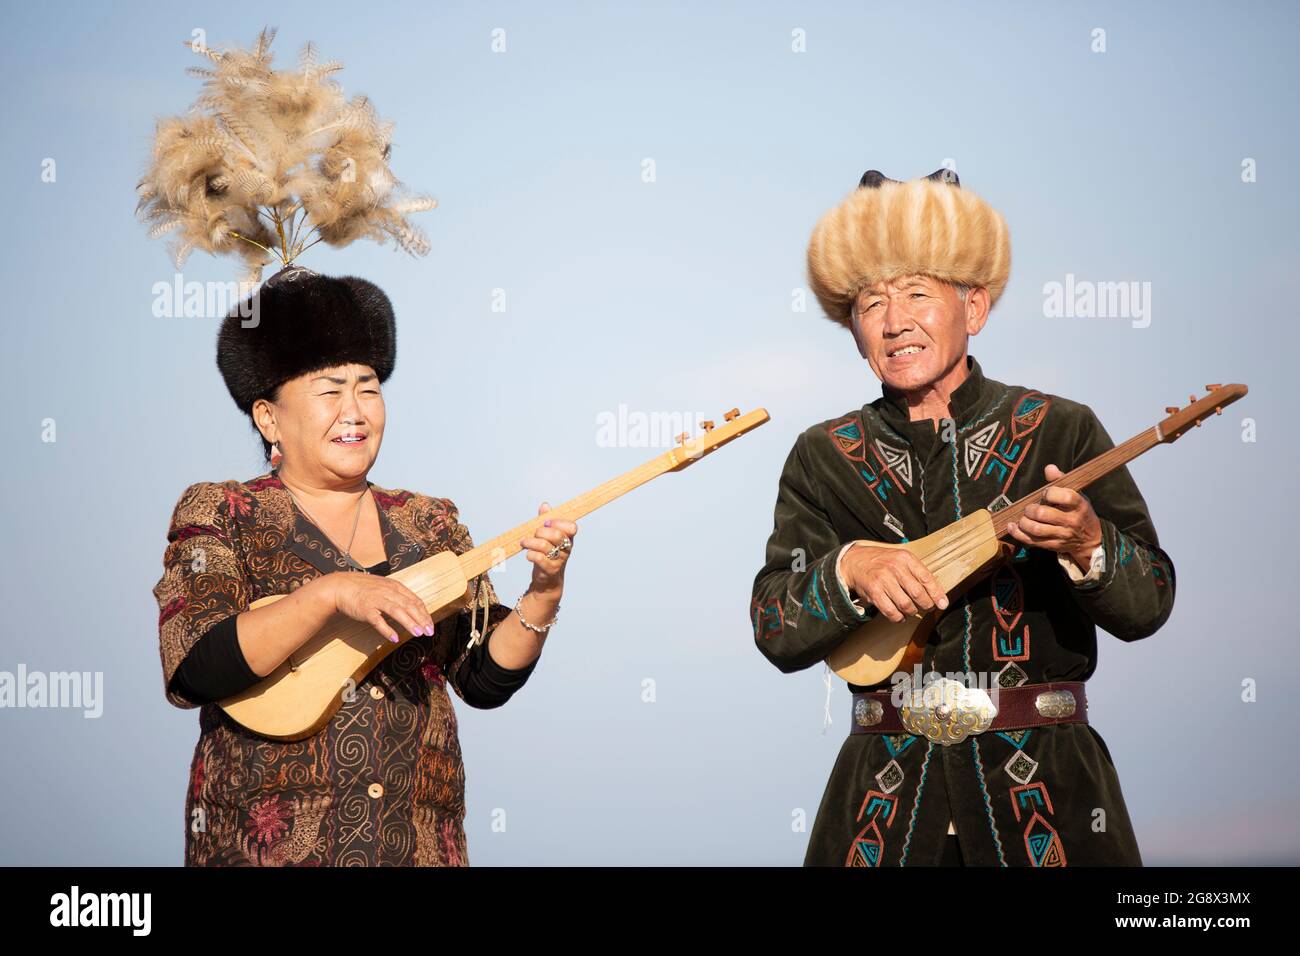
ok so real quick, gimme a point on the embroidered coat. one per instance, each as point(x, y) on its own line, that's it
point(1046, 796)
point(383, 782)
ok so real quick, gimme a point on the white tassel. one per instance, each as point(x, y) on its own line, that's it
point(827, 677)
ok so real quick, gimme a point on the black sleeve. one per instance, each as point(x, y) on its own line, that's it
point(215, 667)
point(486, 684)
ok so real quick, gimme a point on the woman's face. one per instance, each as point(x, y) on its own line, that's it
point(329, 423)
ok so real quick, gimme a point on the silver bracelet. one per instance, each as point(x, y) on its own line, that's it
point(534, 627)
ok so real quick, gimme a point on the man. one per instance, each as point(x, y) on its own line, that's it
point(912, 270)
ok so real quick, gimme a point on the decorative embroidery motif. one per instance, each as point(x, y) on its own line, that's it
point(896, 460)
point(1150, 560)
point(988, 805)
point(1008, 599)
point(999, 449)
point(792, 611)
point(916, 803)
point(978, 445)
point(1016, 738)
point(1042, 842)
point(1029, 414)
point(897, 743)
point(812, 601)
point(1013, 675)
point(869, 845)
point(1021, 767)
point(891, 777)
point(767, 618)
point(889, 470)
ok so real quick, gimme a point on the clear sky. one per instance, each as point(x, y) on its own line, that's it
point(674, 295)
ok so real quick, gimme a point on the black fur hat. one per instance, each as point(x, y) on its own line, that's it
point(301, 321)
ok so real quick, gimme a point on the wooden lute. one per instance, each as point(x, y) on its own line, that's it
point(300, 696)
point(967, 550)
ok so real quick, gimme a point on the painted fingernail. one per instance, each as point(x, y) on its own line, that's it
point(548, 523)
point(428, 630)
point(943, 602)
point(393, 638)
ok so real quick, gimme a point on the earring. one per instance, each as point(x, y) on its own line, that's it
point(276, 457)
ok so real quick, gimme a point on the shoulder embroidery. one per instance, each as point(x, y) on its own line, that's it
point(998, 449)
point(883, 468)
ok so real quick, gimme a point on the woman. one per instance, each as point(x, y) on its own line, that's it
point(383, 782)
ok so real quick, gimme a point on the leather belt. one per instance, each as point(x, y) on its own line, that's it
point(947, 711)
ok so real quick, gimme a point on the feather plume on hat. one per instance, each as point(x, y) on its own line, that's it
point(269, 162)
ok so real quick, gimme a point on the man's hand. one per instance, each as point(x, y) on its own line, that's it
point(1063, 522)
point(893, 579)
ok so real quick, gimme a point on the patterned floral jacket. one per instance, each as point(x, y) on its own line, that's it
point(383, 783)
point(1044, 796)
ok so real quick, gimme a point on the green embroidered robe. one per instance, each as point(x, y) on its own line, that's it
point(1046, 796)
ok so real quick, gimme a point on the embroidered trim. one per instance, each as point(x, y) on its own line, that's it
point(988, 806)
point(920, 788)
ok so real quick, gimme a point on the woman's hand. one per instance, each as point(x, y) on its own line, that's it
point(548, 572)
point(367, 597)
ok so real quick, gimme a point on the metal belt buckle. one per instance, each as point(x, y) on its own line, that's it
point(867, 712)
point(947, 711)
point(1055, 703)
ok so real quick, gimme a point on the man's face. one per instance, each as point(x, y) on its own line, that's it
point(913, 330)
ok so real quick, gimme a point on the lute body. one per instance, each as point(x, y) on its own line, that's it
point(958, 556)
point(299, 697)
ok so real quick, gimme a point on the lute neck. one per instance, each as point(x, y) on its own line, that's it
point(1080, 477)
point(488, 555)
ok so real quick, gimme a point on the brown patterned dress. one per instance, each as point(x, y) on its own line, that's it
point(383, 783)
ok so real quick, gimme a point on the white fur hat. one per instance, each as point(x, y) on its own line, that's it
point(887, 229)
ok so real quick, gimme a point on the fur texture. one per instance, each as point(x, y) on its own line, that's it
point(304, 322)
point(892, 229)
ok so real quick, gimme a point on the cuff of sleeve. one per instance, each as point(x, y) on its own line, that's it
point(1095, 568)
point(854, 609)
point(1104, 564)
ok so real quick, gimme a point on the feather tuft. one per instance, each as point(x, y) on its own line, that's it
point(268, 162)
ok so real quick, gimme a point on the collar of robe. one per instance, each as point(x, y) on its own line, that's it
point(310, 543)
point(966, 400)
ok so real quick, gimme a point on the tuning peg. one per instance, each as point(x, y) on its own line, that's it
point(1213, 388)
point(734, 413)
point(707, 426)
point(1219, 410)
point(1171, 409)
point(681, 439)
